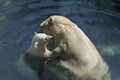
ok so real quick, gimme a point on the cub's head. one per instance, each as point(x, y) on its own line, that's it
point(40, 39)
point(38, 44)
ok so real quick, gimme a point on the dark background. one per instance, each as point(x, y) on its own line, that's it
point(19, 19)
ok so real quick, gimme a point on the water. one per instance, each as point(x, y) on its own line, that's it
point(20, 19)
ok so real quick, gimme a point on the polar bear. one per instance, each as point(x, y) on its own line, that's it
point(81, 57)
point(31, 63)
point(33, 58)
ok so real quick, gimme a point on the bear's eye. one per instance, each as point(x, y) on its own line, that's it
point(42, 27)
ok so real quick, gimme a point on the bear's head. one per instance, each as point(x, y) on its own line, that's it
point(38, 45)
point(54, 23)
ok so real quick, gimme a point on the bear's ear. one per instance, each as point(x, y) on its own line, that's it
point(35, 33)
point(36, 44)
point(51, 21)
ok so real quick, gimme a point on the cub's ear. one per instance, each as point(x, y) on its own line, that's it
point(35, 33)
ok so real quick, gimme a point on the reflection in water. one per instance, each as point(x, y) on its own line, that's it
point(20, 19)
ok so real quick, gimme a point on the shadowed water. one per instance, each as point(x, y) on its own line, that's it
point(19, 19)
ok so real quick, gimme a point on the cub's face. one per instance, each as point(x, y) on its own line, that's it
point(40, 39)
point(38, 45)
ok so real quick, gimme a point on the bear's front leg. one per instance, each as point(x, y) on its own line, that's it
point(58, 51)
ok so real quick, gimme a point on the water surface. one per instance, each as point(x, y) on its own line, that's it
point(20, 19)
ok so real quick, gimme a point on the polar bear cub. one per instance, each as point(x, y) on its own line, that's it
point(33, 58)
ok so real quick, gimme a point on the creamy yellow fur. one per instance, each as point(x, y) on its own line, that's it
point(86, 61)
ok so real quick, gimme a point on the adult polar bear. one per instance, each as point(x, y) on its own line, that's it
point(81, 56)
